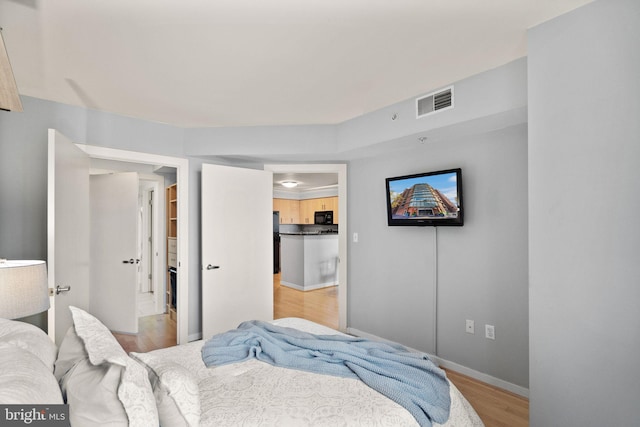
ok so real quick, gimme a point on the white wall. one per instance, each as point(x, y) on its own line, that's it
point(584, 152)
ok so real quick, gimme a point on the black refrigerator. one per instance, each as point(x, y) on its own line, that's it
point(276, 242)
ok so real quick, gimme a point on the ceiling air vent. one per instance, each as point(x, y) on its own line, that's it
point(435, 101)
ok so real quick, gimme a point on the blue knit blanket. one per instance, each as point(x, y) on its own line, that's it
point(409, 379)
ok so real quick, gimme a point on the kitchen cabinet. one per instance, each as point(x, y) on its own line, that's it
point(335, 209)
point(326, 203)
point(331, 204)
point(302, 211)
point(289, 210)
point(309, 206)
point(277, 205)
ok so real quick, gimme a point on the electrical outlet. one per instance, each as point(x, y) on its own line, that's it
point(470, 327)
point(490, 332)
point(355, 237)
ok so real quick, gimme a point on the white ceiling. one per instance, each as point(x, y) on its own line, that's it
point(209, 63)
point(306, 181)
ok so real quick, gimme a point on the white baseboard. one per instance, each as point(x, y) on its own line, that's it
point(480, 376)
point(194, 337)
point(307, 288)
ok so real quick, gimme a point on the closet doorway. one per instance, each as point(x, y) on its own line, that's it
point(147, 211)
point(164, 170)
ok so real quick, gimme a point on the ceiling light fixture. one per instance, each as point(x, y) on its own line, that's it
point(289, 184)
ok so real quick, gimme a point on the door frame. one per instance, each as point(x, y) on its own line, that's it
point(182, 179)
point(341, 170)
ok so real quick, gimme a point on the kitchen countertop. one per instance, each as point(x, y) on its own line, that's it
point(309, 261)
point(310, 233)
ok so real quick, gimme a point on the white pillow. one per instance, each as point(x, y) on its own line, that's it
point(30, 338)
point(175, 389)
point(70, 354)
point(102, 385)
point(24, 379)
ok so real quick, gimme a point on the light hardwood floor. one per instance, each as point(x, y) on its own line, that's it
point(154, 332)
point(320, 305)
point(496, 407)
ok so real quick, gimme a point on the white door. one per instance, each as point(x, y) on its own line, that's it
point(115, 257)
point(237, 247)
point(67, 230)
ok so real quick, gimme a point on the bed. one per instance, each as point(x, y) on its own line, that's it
point(172, 387)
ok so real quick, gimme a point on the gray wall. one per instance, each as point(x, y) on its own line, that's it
point(584, 152)
point(23, 168)
point(483, 134)
point(485, 101)
point(584, 104)
point(481, 267)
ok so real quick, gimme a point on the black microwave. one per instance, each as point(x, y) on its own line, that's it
point(323, 217)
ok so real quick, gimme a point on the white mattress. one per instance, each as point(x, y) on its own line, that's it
point(254, 393)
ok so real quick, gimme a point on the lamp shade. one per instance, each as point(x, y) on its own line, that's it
point(9, 98)
point(23, 288)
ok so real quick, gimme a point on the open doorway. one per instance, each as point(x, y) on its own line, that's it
point(150, 287)
point(152, 280)
point(149, 310)
point(324, 300)
point(159, 165)
point(305, 282)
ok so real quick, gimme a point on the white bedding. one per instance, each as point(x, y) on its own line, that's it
point(254, 393)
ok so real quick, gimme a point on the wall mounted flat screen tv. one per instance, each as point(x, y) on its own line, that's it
point(425, 199)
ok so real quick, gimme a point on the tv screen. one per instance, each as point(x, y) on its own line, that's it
point(430, 198)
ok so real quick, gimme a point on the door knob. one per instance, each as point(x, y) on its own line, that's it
point(59, 289)
point(212, 267)
point(131, 261)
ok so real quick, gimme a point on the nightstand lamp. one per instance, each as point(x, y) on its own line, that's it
point(23, 288)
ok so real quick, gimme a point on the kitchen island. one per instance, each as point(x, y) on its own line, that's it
point(308, 261)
